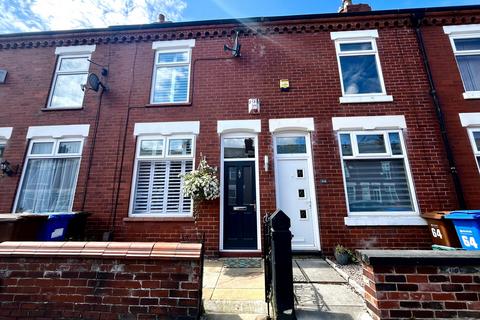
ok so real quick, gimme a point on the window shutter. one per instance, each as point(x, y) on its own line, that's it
point(142, 191)
point(159, 187)
point(176, 202)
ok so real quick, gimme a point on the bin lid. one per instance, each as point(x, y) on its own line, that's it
point(464, 215)
point(435, 215)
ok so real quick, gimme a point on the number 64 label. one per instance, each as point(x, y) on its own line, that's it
point(469, 242)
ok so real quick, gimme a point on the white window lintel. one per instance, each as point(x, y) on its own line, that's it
point(173, 44)
point(464, 28)
point(227, 126)
point(57, 132)
point(392, 220)
point(167, 128)
point(5, 133)
point(369, 123)
point(75, 49)
point(291, 124)
point(354, 34)
point(469, 120)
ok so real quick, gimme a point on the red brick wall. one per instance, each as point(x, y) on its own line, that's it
point(409, 290)
point(35, 284)
point(450, 90)
point(220, 91)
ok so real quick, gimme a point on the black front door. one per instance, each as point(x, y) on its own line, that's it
point(240, 214)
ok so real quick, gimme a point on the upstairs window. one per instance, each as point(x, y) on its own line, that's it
point(158, 184)
point(475, 140)
point(359, 66)
point(465, 41)
point(376, 172)
point(71, 73)
point(171, 74)
point(50, 176)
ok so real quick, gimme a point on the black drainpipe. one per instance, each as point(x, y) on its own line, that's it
point(417, 19)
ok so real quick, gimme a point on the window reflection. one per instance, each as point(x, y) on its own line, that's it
point(360, 74)
point(238, 148)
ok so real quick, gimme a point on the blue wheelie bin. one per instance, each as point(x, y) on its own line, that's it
point(55, 228)
point(467, 225)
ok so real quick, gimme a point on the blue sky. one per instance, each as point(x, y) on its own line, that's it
point(40, 15)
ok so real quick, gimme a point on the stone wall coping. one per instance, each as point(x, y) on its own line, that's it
point(105, 250)
point(419, 257)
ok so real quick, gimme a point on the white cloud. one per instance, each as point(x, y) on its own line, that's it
point(38, 15)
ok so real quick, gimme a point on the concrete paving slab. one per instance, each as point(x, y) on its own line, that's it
point(297, 274)
point(242, 278)
point(325, 296)
point(352, 313)
point(238, 294)
point(207, 293)
point(210, 279)
point(317, 270)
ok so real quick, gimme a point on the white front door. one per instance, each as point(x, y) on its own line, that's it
point(295, 189)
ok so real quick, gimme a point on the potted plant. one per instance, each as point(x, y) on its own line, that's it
point(342, 255)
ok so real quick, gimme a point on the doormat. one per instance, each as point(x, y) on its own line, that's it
point(242, 263)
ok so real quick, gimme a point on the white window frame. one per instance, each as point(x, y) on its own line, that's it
point(464, 32)
point(164, 156)
point(476, 152)
point(58, 73)
point(172, 47)
point(378, 218)
point(53, 155)
point(349, 37)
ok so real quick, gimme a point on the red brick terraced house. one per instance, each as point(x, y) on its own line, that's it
point(371, 127)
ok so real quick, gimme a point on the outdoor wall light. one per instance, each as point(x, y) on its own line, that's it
point(265, 163)
point(7, 169)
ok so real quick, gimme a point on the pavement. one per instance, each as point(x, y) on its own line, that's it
point(239, 293)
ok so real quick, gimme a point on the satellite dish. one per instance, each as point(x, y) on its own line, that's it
point(94, 82)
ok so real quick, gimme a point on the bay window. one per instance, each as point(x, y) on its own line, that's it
point(376, 172)
point(50, 176)
point(160, 163)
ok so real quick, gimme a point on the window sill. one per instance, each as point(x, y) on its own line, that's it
point(471, 95)
point(167, 105)
point(159, 219)
point(383, 220)
point(366, 99)
point(62, 109)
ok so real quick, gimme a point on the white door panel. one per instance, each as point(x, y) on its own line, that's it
point(295, 188)
point(294, 198)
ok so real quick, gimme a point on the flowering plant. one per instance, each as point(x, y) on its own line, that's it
point(201, 184)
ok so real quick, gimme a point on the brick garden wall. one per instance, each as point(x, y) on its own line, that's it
point(100, 281)
point(300, 51)
point(422, 284)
